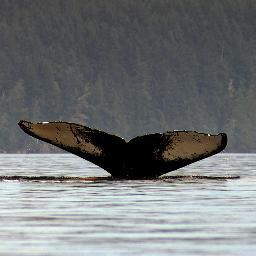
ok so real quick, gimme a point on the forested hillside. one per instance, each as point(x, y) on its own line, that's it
point(129, 67)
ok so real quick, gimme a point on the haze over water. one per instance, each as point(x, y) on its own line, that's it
point(185, 216)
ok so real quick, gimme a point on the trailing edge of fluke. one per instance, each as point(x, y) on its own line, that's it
point(147, 156)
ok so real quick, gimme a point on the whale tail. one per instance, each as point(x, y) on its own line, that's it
point(145, 156)
point(95, 146)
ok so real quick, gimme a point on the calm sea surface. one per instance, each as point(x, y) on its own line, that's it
point(185, 216)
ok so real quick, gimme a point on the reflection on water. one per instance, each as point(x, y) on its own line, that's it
point(184, 216)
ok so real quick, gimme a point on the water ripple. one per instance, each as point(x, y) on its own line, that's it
point(182, 214)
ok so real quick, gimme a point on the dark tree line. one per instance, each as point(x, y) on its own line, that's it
point(129, 67)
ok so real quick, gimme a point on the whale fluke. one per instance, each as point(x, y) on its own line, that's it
point(145, 156)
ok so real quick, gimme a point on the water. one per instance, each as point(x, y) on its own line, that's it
point(185, 216)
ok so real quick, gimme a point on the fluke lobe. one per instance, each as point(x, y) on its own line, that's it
point(147, 156)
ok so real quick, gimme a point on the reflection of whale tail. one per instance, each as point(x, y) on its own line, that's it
point(144, 156)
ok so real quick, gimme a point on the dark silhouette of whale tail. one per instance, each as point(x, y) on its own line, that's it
point(147, 156)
